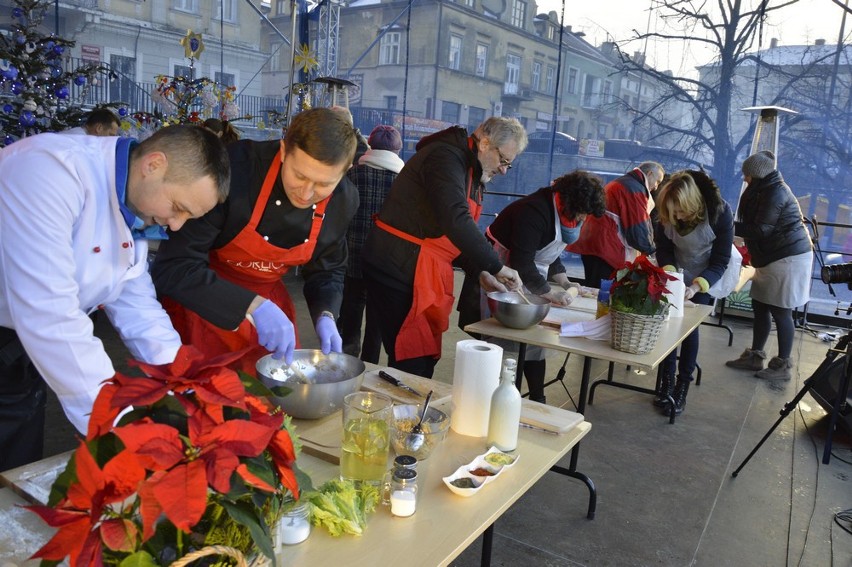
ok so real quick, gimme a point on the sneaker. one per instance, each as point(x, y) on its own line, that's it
point(778, 369)
point(748, 360)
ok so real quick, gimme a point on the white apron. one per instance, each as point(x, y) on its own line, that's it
point(543, 259)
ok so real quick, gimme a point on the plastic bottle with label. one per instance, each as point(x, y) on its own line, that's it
point(505, 416)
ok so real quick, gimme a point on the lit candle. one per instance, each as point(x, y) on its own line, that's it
point(403, 503)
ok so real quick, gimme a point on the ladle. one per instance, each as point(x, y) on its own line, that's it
point(415, 437)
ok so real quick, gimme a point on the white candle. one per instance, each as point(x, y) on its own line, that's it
point(403, 503)
point(293, 530)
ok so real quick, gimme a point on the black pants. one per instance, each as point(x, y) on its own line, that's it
point(349, 324)
point(595, 270)
point(23, 397)
point(389, 307)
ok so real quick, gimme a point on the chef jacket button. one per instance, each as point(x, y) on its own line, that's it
point(278, 202)
point(96, 249)
point(314, 206)
point(125, 245)
point(266, 238)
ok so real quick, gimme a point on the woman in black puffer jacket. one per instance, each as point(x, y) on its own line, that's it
point(770, 221)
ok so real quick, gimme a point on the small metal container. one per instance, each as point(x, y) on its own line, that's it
point(405, 462)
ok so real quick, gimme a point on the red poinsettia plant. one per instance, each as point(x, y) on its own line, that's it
point(639, 288)
point(200, 456)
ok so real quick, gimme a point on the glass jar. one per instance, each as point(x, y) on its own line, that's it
point(403, 493)
point(295, 525)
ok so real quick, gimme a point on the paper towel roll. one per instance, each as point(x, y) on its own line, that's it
point(475, 377)
point(675, 295)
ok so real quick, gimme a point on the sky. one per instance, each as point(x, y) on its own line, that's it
point(600, 20)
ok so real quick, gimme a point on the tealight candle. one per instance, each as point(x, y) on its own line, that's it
point(294, 526)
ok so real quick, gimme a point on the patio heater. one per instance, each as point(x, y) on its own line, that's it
point(765, 134)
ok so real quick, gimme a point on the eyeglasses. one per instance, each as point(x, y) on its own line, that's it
point(504, 162)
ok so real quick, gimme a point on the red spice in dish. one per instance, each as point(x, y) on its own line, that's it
point(481, 472)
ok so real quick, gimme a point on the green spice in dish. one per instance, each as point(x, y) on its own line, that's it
point(499, 459)
point(463, 482)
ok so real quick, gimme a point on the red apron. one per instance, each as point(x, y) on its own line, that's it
point(429, 317)
point(250, 262)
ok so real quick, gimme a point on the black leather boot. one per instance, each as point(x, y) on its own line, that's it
point(679, 395)
point(666, 389)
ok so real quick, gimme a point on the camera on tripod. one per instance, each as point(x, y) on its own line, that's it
point(837, 273)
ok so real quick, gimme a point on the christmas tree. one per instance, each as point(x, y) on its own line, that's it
point(35, 83)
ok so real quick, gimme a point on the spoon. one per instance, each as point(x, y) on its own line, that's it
point(415, 438)
point(524, 297)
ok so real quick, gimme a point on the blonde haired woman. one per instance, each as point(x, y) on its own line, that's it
point(695, 234)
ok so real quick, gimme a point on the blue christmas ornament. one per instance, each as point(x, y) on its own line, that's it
point(80, 80)
point(17, 87)
point(17, 12)
point(58, 49)
point(55, 72)
point(122, 111)
point(7, 108)
point(27, 119)
point(49, 45)
point(8, 140)
point(62, 92)
point(10, 72)
point(20, 39)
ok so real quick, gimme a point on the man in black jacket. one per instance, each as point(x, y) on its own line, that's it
point(427, 223)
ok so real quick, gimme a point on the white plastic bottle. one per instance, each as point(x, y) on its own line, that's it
point(505, 417)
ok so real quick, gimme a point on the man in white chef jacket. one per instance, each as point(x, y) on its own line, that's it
point(75, 216)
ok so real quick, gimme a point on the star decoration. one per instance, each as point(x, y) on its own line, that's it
point(193, 44)
point(305, 59)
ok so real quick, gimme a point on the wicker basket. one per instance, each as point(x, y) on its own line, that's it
point(212, 550)
point(636, 334)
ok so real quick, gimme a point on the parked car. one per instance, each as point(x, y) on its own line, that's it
point(539, 142)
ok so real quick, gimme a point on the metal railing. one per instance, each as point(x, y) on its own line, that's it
point(116, 88)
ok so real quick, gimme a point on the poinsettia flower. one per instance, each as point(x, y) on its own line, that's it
point(195, 429)
point(78, 517)
point(640, 286)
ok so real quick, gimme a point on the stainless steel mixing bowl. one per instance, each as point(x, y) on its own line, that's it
point(318, 381)
point(510, 309)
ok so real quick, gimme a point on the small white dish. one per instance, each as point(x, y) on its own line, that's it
point(504, 460)
point(480, 462)
point(461, 473)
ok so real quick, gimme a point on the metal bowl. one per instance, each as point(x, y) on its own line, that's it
point(435, 426)
point(510, 309)
point(318, 381)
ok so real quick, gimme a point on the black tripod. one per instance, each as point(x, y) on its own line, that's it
point(844, 348)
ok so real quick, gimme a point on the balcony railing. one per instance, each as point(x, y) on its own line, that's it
point(116, 88)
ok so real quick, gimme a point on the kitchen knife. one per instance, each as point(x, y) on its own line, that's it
point(398, 383)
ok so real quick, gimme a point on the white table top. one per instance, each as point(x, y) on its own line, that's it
point(672, 334)
point(443, 526)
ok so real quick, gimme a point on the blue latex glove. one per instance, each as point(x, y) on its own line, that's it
point(275, 332)
point(329, 337)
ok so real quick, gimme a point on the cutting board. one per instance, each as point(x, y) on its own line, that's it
point(440, 390)
point(550, 418)
point(321, 437)
point(558, 315)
